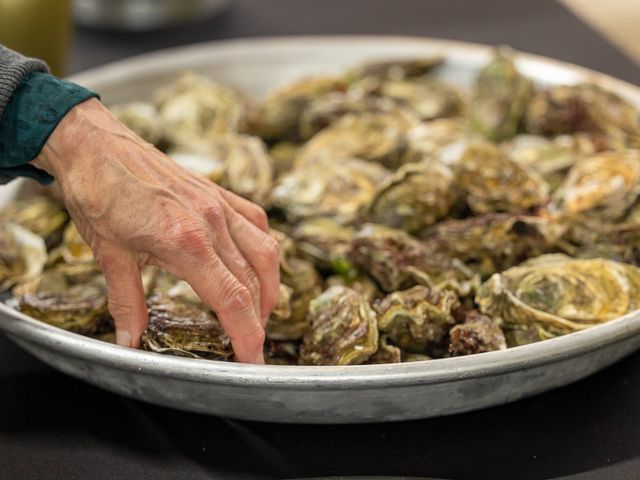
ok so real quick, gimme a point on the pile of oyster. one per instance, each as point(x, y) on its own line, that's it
point(417, 220)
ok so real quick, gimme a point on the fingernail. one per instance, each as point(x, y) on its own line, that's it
point(123, 338)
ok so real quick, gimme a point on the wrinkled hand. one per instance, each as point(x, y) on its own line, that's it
point(134, 206)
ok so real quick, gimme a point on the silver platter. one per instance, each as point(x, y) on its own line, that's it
point(365, 393)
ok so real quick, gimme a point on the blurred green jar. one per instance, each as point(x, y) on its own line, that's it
point(37, 28)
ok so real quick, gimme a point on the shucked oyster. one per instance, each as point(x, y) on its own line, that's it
point(500, 97)
point(342, 329)
point(196, 107)
point(377, 137)
point(495, 183)
point(278, 116)
point(40, 215)
point(397, 260)
point(328, 189)
point(23, 255)
point(477, 334)
point(143, 118)
point(612, 122)
point(81, 308)
point(556, 294)
point(418, 318)
point(602, 186)
point(185, 329)
point(493, 242)
point(416, 196)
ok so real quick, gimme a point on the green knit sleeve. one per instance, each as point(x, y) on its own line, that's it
point(33, 112)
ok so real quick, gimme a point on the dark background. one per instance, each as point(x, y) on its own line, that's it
point(55, 427)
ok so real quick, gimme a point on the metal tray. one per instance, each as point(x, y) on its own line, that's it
point(365, 393)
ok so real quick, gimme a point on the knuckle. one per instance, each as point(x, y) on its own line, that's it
point(270, 249)
point(236, 298)
point(215, 214)
point(250, 280)
point(189, 238)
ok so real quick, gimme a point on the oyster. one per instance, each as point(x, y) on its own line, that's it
point(278, 116)
point(73, 249)
point(323, 241)
point(143, 118)
point(500, 97)
point(40, 215)
point(372, 136)
point(23, 255)
point(602, 186)
point(477, 334)
point(329, 108)
point(387, 352)
point(283, 155)
point(428, 99)
point(184, 329)
point(495, 183)
point(203, 163)
point(396, 69)
point(427, 140)
point(342, 329)
point(196, 107)
point(418, 318)
point(492, 242)
point(397, 260)
point(80, 308)
point(612, 122)
point(556, 294)
point(416, 196)
point(362, 284)
point(551, 158)
point(304, 281)
point(328, 189)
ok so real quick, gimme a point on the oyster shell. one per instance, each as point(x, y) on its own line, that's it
point(39, 214)
point(277, 118)
point(495, 183)
point(196, 107)
point(602, 186)
point(80, 308)
point(372, 136)
point(397, 260)
point(500, 97)
point(283, 155)
point(495, 241)
point(612, 122)
point(387, 352)
point(342, 329)
point(362, 284)
point(394, 69)
point(417, 318)
point(556, 294)
point(184, 329)
point(427, 98)
point(427, 140)
point(23, 255)
point(328, 189)
point(323, 241)
point(280, 353)
point(143, 118)
point(477, 334)
point(416, 196)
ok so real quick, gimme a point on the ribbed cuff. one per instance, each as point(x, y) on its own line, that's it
point(33, 112)
point(13, 68)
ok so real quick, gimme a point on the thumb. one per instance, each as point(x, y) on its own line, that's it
point(127, 304)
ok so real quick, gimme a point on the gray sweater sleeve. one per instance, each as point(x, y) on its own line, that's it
point(13, 67)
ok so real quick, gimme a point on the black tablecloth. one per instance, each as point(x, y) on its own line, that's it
point(54, 427)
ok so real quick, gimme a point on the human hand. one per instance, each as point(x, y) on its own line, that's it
point(135, 206)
